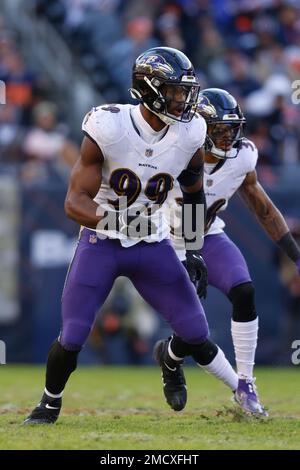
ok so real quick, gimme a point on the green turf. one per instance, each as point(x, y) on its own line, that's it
point(123, 408)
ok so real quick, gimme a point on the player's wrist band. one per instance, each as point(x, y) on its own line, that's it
point(288, 244)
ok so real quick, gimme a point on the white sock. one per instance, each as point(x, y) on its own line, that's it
point(51, 395)
point(244, 337)
point(220, 368)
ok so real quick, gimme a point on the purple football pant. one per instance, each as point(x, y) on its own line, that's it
point(225, 263)
point(155, 271)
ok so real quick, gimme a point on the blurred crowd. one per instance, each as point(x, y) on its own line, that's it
point(33, 137)
point(250, 47)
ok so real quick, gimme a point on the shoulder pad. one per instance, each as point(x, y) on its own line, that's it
point(103, 124)
point(248, 155)
point(193, 134)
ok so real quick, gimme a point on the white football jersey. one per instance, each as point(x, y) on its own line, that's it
point(144, 173)
point(220, 184)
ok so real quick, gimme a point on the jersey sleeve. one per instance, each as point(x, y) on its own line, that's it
point(197, 133)
point(191, 137)
point(249, 155)
point(103, 125)
point(91, 126)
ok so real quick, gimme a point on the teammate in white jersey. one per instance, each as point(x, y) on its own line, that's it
point(229, 166)
point(136, 152)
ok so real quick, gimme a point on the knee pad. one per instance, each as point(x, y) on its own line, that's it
point(204, 353)
point(242, 298)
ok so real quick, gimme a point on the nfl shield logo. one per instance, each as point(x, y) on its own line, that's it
point(148, 152)
point(209, 183)
point(93, 239)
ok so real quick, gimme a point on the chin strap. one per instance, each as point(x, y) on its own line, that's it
point(167, 120)
point(221, 154)
point(135, 94)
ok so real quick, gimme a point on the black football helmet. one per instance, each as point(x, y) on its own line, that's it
point(225, 122)
point(164, 81)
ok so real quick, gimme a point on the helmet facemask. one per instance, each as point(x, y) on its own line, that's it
point(171, 101)
point(222, 137)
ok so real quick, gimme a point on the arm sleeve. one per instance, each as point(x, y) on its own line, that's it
point(192, 206)
point(190, 176)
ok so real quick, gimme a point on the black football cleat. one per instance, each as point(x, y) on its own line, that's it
point(46, 412)
point(173, 378)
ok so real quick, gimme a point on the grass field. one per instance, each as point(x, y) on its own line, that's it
point(123, 408)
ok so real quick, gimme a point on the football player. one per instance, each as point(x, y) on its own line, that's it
point(136, 153)
point(229, 166)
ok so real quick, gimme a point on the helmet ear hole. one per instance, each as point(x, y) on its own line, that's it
point(158, 104)
point(156, 82)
